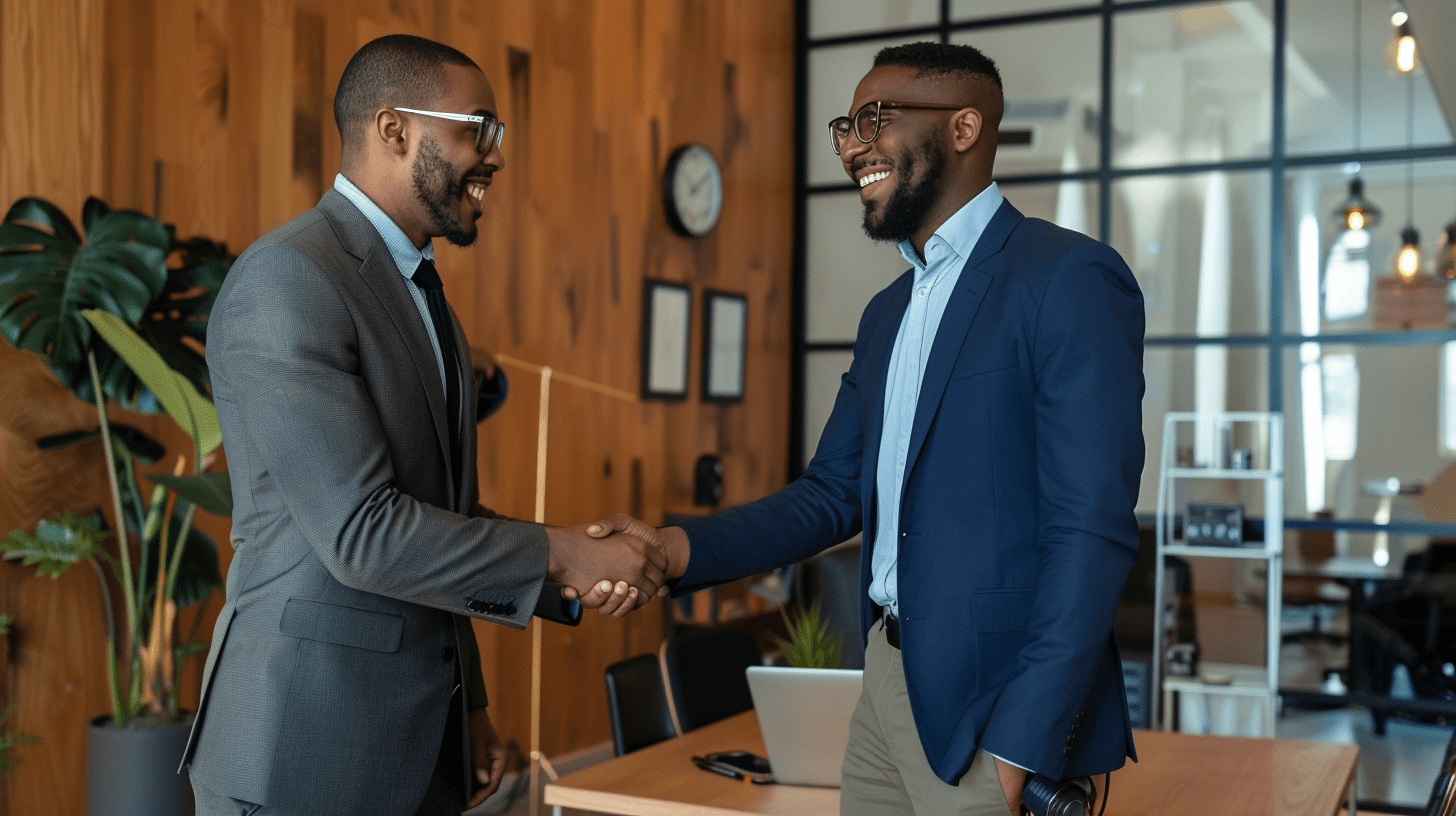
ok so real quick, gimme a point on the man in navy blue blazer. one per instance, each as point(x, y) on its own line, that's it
point(987, 441)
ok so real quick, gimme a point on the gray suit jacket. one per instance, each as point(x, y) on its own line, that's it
point(329, 683)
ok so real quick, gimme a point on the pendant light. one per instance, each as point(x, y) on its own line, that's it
point(1408, 259)
point(1355, 212)
point(1405, 43)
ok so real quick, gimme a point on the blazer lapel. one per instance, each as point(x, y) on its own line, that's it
point(956, 322)
point(381, 274)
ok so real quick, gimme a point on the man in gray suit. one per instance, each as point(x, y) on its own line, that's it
point(344, 676)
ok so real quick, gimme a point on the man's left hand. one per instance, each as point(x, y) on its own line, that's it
point(487, 754)
point(1013, 781)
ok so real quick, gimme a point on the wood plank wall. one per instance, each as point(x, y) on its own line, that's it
point(216, 115)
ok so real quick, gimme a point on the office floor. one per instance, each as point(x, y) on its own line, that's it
point(1396, 769)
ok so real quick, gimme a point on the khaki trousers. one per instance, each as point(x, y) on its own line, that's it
point(885, 771)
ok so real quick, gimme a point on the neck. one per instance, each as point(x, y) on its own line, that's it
point(956, 196)
point(395, 204)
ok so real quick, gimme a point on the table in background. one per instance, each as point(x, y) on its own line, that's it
point(1179, 773)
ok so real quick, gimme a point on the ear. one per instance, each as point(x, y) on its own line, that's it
point(391, 130)
point(966, 129)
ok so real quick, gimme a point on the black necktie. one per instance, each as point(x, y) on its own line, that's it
point(429, 281)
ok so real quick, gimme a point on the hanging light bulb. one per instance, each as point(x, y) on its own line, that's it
point(1408, 260)
point(1405, 43)
point(1355, 211)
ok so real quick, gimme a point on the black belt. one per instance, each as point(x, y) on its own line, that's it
point(892, 627)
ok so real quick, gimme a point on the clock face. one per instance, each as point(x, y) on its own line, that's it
point(693, 190)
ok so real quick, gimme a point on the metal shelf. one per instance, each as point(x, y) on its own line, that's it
point(1207, 551)
point(1247, 681)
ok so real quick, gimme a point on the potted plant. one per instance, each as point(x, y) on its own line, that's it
point(810, 646)
point(121, 315)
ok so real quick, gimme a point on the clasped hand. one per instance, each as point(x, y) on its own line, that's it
point(614, 565)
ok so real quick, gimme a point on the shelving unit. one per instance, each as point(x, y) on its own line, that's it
point(1265, 431)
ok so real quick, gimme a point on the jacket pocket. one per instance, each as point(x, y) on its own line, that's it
point(986, 358)
point(342, 625)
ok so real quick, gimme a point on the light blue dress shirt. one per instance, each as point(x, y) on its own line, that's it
point(406, 255)
point(935, 278)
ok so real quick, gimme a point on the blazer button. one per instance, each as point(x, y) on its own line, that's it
point(478, 607)
point(447, 654)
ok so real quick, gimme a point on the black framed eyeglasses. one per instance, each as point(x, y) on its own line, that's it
point(488, 129)
point(865, 125)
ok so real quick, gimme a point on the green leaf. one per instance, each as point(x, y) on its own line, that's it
point(212, 492)
point(47, 276)
point(42, 212)
point(59, 542)
point(809, 645)
point(192, 411)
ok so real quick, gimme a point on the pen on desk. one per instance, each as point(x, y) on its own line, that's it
point(709, 765)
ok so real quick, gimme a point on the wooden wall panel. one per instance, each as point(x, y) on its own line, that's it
point(217, 114)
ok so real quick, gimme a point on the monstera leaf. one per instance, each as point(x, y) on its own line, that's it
point(49, 275)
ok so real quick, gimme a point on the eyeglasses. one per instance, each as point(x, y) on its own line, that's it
point(866, 122)
point(488, 128)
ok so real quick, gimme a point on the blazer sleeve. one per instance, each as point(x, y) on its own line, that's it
point(286, 350)
point(1086, 352)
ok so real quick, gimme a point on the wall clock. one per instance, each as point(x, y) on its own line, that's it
point(692, 190)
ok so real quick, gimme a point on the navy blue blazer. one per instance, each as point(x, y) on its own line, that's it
point(1017, 520)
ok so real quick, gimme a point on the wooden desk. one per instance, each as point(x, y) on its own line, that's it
point(1179, 773)
point(661, 779)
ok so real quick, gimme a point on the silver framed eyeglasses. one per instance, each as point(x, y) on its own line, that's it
point(865, 125)
point(488, 129)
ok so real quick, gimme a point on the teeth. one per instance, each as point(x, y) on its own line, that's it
point(873, 177)
point(475, 190)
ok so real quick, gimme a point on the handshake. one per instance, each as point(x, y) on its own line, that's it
point(617, 564)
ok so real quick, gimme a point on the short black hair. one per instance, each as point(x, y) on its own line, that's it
point(396, 69)
point(934, 58)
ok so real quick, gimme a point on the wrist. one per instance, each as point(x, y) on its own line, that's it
point(675, 543)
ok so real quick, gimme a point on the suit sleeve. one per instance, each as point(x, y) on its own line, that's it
point(1087, 368)
point(286, 351)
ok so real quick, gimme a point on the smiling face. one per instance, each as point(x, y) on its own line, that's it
point(900, 172)
point(448, 176)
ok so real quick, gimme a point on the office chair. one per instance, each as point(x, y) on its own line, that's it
point(706, 675)
point(637, 702)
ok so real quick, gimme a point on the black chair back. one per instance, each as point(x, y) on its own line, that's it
point(637, 702)
point(705, 672)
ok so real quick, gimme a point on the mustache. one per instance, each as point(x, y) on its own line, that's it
point(860, 165)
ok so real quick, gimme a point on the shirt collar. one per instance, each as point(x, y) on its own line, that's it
point(959, 233)
point(406, 255)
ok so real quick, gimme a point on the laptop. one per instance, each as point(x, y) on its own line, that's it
point(804, 716)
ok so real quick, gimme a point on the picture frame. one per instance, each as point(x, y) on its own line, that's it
point(667, 309)
point(725, 343)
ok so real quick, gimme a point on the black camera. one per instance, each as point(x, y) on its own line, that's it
point(1044, 796)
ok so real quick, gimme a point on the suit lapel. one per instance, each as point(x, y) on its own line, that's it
point(381, 275)
point(960, 311)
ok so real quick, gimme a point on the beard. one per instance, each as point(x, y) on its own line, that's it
point(912, 199)
point(439, 188)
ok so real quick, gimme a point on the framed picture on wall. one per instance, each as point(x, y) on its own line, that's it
point(667, 310)
point(725, 330)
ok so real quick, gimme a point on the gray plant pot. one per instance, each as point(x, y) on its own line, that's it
point(133, 771)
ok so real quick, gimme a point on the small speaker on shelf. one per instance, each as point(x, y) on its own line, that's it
point(1215, 525)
